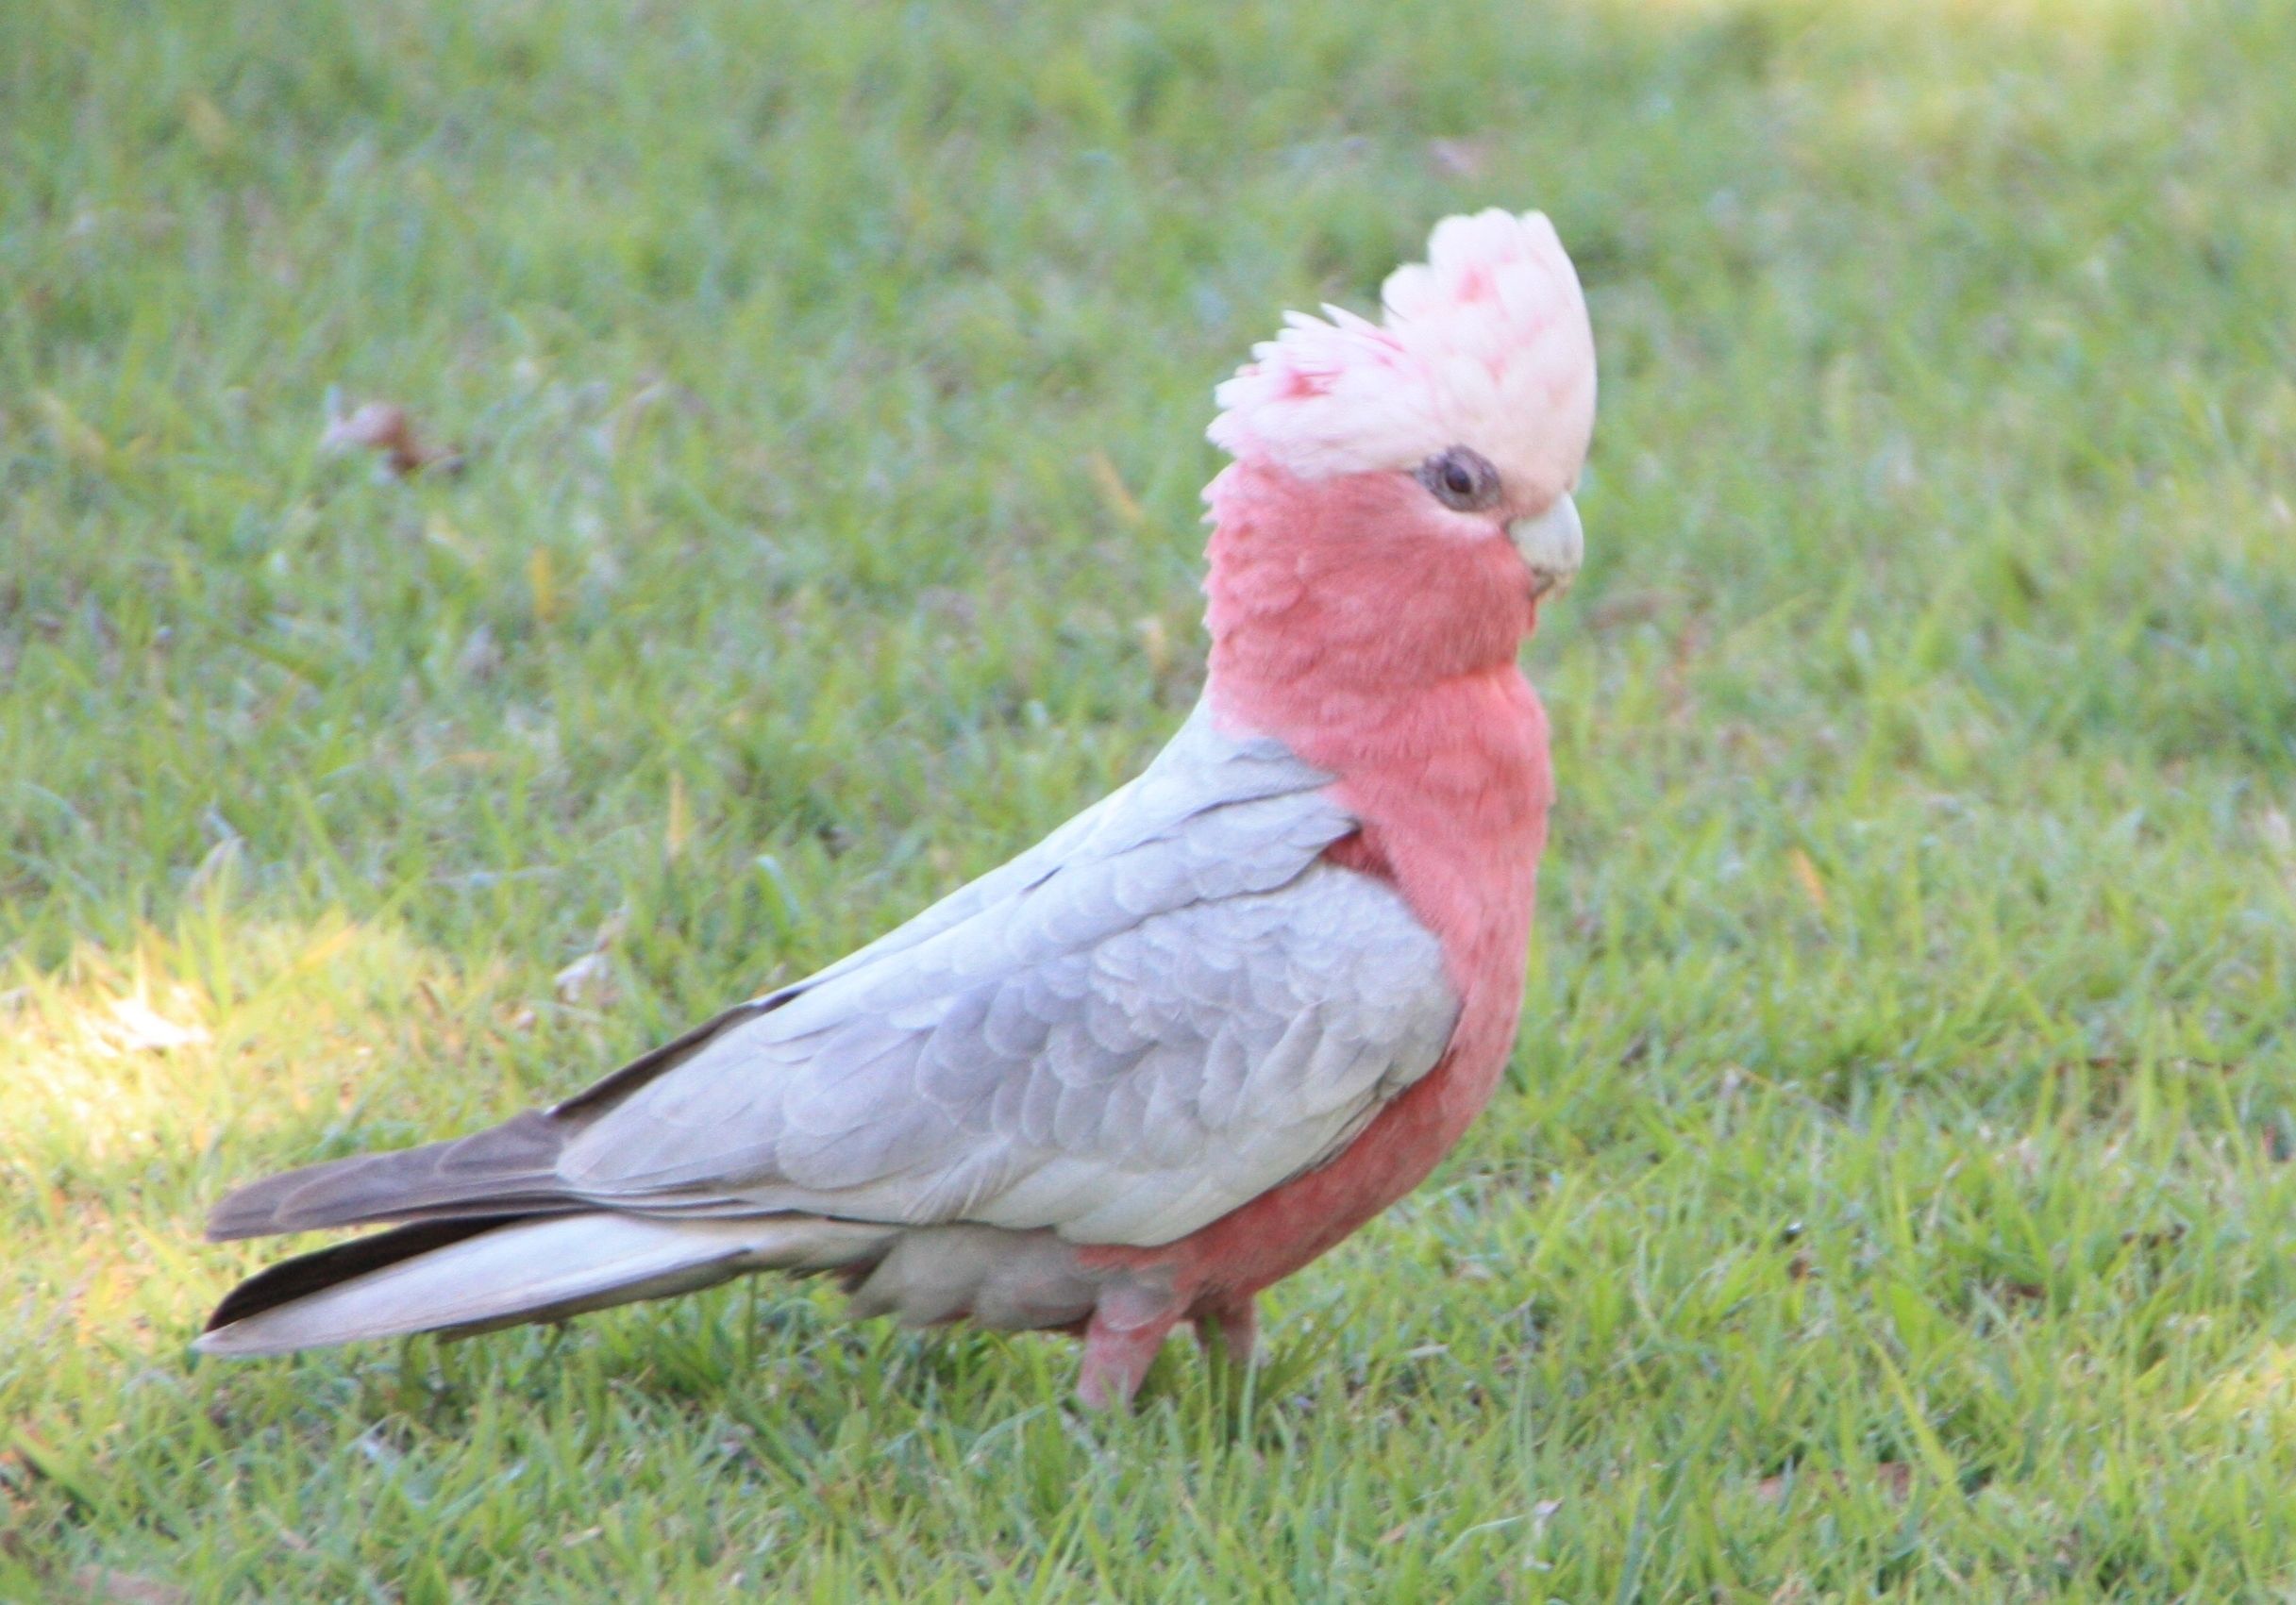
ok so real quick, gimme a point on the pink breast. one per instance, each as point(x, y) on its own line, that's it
point(1459, 837)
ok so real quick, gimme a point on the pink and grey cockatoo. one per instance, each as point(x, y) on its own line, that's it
point(1198, 1034)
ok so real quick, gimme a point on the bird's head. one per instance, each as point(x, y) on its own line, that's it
point(1462, 416)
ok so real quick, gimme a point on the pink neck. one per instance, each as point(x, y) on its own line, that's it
point(1375, 635)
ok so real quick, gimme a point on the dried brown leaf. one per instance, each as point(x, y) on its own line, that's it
point(385, 427)
point(1813, 886)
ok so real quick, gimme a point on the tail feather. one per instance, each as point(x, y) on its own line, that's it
point(308, 1274)
point(507, 1170)
point(462, 1276)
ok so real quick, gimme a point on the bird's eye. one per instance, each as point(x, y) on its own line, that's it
point(1462, 479)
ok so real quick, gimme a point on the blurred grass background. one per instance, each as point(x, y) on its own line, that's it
point(1890, 1195)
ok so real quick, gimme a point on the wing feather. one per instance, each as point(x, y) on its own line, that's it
point(1172, 1005)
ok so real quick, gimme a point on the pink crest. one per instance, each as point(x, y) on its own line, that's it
point(1486, 345)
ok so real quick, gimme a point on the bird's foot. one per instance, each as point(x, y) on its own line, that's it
point(1120, 1343)
point(1229, 1329)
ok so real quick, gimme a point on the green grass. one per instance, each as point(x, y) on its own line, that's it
point(1889, 1198)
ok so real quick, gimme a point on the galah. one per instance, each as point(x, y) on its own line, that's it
point(1198, 1034)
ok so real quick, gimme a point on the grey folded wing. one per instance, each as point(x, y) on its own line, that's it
point(1170, 1006)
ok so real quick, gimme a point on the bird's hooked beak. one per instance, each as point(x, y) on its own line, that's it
point(1552, 543)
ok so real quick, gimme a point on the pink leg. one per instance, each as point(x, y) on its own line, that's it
point(1238, 1321)
point(1121, 1344)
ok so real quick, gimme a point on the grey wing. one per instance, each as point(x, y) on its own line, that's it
point(1159, 1018)
point(1200, 773)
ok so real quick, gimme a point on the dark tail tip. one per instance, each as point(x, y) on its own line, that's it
point(290, 1279)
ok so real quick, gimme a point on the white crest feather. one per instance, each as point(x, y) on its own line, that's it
point(1486, 345)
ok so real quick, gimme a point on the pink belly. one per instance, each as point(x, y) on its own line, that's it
point(1285, 1228)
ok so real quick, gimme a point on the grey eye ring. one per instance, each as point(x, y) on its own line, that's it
point(1461, 478)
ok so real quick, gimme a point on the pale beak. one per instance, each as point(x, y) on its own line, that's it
point(1553, 544)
